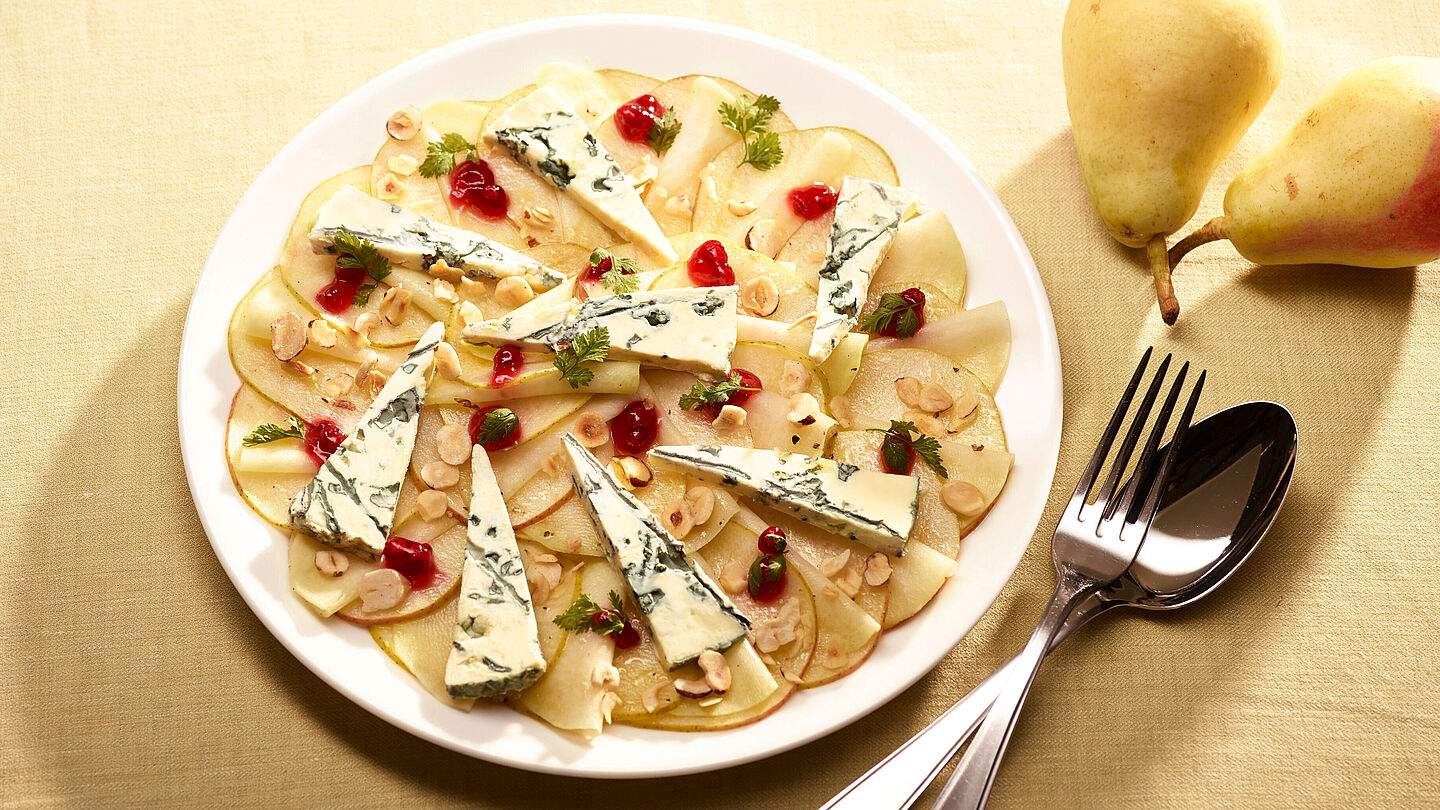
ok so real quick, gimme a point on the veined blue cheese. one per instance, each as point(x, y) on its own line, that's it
point(871, 508)
point(350, 503)
point(686, 328)
point(867, 215)
point(497, 646)
point(407, 238)
point(686, 611)
point(545, 134)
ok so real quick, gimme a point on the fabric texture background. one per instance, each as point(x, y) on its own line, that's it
point(131, 673)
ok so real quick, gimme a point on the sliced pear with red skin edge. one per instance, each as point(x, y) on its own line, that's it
point(874, 401)
point(446, 536)
point(295, 386)
point(793, 298)
point(754, 693)
point(694, 427)
point(269, 488)
point(721, 514)
point(845, 633)
point(594, 93)
point(728, 559)
point(567, 696)
point(322, 592)
point(411, 189)
point(422, 647)
point(977, 339)
point(307, 269)
point(838, 370)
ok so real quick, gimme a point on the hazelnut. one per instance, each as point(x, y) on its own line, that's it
point(439, 475)
point(934, 398)
point(322, 333)
point(877, 569)
point(731, 418)
point(331, 563)
point(631, 472)
point(453, 443)
point(591, 430)
point(741, 208)
point(796, 378)
point(908, 391)
point(402, 165)
point(700, 500)
point(804, 409)
point(447, 362)
point(388, 187)
point(287, 336)
point(512, 291)
point(394, 304)
point(693, 689)
point(444, 291)
point(442, 270)
point(404, 123)
point(716, 669)
point(963, 498)
point(679, 521)
point(383, 589)
point(835, 563)
point(431, 504)
point(760, 296)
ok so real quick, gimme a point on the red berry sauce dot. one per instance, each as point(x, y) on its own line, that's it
point(507, 364)
point(477, 420)
point(635, 118)
point(472, 185)
point(415, 561)
point(636, 428)
point(709, 265)
point(812, 201)
point(321, 438)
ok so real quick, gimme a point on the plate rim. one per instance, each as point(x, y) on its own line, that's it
point(1044, 462)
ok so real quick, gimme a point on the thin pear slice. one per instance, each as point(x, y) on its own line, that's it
point(322, 592)
point(835, 558)
point(306, 270)
point(978, 339)
point(561, 596)
point(446, 537)
point(927, 248)
point(874, 402)
point(768, 361)
point(793, 298)
point(693, 427)
point(421, 646)
point(611, 377)
point(754, 693)
point(268, 488)
point(565, 530)
point(568, 697)
point(296, 386)
point(937, 526)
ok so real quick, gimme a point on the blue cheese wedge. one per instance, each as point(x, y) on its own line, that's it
point(350, 503)
point(867, 215)
point(497, 645)
point(871, 508)
point(546, 135)
point(686, 611)
point(685, 329)
point(407, 238)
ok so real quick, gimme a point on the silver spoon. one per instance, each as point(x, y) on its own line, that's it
point(1223, 495)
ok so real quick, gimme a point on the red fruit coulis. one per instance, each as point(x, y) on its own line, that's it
point(709, 265)
point(472, 185)
point(507, 364)
point(750, 385)
point(477, 420)
point(589, 282)
point(415, 561)
point(628, 637)
point(916, 297)
point(812, 201)
point(321, 438)
point(636, 428)
point(635, 118)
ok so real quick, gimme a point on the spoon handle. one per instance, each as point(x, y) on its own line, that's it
point(898, 780)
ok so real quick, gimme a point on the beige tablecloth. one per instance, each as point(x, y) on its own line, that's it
point(131, 674)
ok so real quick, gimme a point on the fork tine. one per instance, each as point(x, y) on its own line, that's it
point(1157, 487)
point(1103, 501)
point(1144, 474)
point(1087, 478)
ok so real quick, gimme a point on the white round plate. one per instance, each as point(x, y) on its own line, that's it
point(815, 92)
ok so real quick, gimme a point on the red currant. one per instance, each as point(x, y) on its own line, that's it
point(709, 265)
point(635, 118)
point(812, 201)
point(636, 428)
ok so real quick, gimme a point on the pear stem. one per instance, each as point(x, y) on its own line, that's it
point(1212, 231)
point(1164, 290)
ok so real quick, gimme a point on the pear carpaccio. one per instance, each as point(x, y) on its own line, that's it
point(1356, 181)
point(1159, 93)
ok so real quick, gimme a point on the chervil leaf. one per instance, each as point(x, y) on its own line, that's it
point(361, 254)
point(898, 445)
point(263, 434)
point(892, 306)
point(587, 347)
point(750, 118)
point(701, 395)
point(581, 616)
point(498, 425)
point(362, 295)
point(440, 155)
point(662, 133)
point(619, 278)
point(764, 152)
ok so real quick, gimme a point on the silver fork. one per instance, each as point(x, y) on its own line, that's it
point(1094, 544)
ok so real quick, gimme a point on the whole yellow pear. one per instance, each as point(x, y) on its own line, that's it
point(1356, 181)
point(1159, 92)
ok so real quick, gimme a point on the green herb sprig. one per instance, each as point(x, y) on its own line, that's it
point(702, 396)
point(893, 308)
point(441, 155)
point(750, 118)
point(585, 615)
point(587, 347)
point(899, 442)
point(264, 434)
point(662, 133)
point(496, 427)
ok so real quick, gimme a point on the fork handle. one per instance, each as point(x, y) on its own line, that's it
point(969, 786)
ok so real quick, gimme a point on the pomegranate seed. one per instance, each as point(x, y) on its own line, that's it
point(772, 540)
point(767, 578)
point(628, 637)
